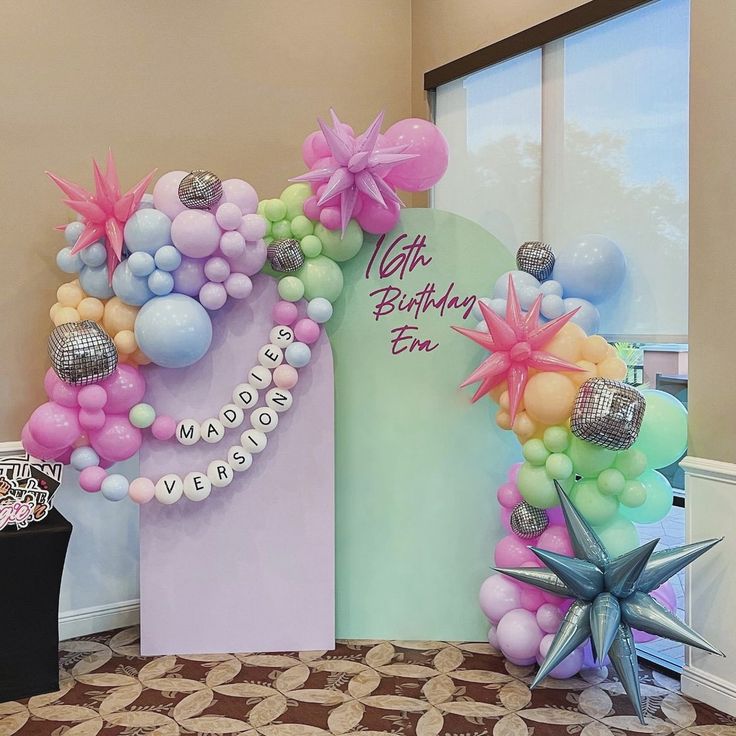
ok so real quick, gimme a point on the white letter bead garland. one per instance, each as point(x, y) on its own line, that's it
point(238, 458)
point(254, 441)
point(259, 377)
point(197, 486)
point(187, 432)
point(270, 356)
point(220, 473)
point(264, 419)
point(281, 336)
point(245, 395)
point(279, 399)
point(169, 489)
point(231, 416)
point(212, 430)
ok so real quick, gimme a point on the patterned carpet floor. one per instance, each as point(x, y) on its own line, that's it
point(360, 689)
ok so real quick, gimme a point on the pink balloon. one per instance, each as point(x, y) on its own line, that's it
point(49, 381)
point(556, 539)
point(54, 426)
point(555, 516)
point(125, 388)
point(65, 394)
point(493, 637)
point(166, 194)
point(519, 635)
point(90, 479)
point(425, 139)
point(117, 440)
point(241, 193)
point(311, 208)
point(141, 490)
point(91, 418)
point(498, 595)
point(549, 618)
point(196, 233)
point(514, 472)
point(374, 218)
point(35, 448)
point(506, 520)
point(508, 495)
point(330, 217)
point(512, 552)
point(92, 397)
point(569, 667)
point(309, 155)
point(163, 427)
point(531, 598)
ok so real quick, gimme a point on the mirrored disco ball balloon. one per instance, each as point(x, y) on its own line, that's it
point(82, 352)
point(285, 256)
point(528, 521)
point(536, 259)
point(607, 413)
point(199, 190)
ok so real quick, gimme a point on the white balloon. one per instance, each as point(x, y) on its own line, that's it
point(264, 419)
point(253, 441)
point(259, 377)
point(270, 356)
point(169, 489)
point(220, 473)
point(187, 432)
point(238, 458)
point(212, 430)
point(281, 336)
point(279, 399)
point(245, 395)
point(197, 486)
point(231, 416)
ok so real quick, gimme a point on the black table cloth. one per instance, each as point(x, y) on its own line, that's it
point(31, 564)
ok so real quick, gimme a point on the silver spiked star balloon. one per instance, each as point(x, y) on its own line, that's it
point(611, 598)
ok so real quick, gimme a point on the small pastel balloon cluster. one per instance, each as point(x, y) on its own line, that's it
point(585, 274)
point(524, 619)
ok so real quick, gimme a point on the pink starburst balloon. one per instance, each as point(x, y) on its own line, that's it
point(516, 345)
point(357, 166)
point(104, 212)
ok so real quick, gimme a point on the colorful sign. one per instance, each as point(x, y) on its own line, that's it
point(27, 486)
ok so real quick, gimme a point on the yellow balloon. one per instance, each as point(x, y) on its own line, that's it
point(613, 368)
point(503, 419)
point(91, 308)
point(567, 343)
point(125, 342)
point(580, 377)
point(69, 295)
point(55, 307)
point(65, 315)
point(549, 397)
point(118, 316)
point(595, 349)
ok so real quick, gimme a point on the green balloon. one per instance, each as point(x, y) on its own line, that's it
point(634, 494)
point(274, 210)
point(557, 439)
point(281, 230)
point(537, 487)
point(291, 288)
point(340, 248)
point(535, 452)
point(632, 462)
point(321, 277)
point(311, 245)
point(142, 415)
point(301, 227)
point(559, 466)
point(663, 434)
point(589, 459)
point(658, 500)
point(611, 482)
point(592, 504)
point(294, 197)
point(619, 536)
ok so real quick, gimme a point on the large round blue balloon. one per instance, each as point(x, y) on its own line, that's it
point(147, 230)
point(173, 330)
point(130, 288)
point(593, 268)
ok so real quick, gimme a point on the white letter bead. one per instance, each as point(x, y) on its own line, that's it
point(231, 416)
point(187, 432)
point(212, 430)
point(270, 356)
point(279, 399)
point(220, 473)
point(253, 440)
point(245, 395)
point(264, 419)
point(259, 377)
point(281, 336)
point(197, 486)
point(238, 458)
point(169, 489)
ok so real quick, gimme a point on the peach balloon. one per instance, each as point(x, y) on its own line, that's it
point(118, 316)
point(567, 343)
point(595, 349)
point(590, 370)
point(613, 368)
point(91, 308)
point(125, 342)
point(524, 426)
point(503, 419)
point(65, 315)
point(69, 295)
point(549, 397)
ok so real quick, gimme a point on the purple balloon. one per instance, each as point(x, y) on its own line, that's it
point(498, 595)
point(238, 285)
point(189, 278)
point(555, 516)
point(252, 260)
point(569, 667)
point(212, 296)
point(519, 635)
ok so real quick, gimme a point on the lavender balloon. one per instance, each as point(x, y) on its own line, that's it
point(189, 278)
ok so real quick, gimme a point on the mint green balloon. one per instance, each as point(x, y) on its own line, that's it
point(274, 210)
point(592, 504)
point(589, 459)
point(663, 434)
point(281, 230)
point(294, 197)
point(557, 439)
point(535, 452)
point(301, 226)
point(634, 494)
point(340, 248)
point(142, 415)
point(321, 277)
point(611, 482)
point(311, 245)
point(291, 288)
point(537, 487)
point(658, 500)
point(619, 536)
point(559, 466)
point(632, 462)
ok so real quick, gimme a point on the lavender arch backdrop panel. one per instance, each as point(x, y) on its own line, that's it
point(251, 568)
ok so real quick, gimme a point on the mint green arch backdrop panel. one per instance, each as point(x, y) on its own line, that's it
point(417, 465)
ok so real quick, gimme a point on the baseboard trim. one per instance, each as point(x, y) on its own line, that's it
point(83, 621)
point(708, 688)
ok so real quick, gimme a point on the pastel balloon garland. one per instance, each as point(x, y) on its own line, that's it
point(152, 271)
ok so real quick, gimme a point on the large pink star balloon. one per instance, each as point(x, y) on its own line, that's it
point(358, 166)
point(516, 343)
point(105, 211)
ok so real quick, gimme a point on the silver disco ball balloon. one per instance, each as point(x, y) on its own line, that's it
point(82, 352)
point(607, 413)
point(199, 190)
point(285, 256)
point(528, 521)
point(535, 258)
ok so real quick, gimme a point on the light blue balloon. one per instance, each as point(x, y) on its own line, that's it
point(521, 280)
point(551, 287)
point(95, 282)
point(298, 354)
point(94, 255)
point(72, 232)
point(147, 230)
point(84, 457)
point(593, 268)
point(168, 258)
point(160, 282)
point(115, 487)
point(141, 263)
point(130, 288)
point(173, 330)
point(67, 262)
point(146, 202)
point(319, 309)
point(552, 306)
point(475, 312)
point(498, 306)
point(588, 317)
point(526, 296)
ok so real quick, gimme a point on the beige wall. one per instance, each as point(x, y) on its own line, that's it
point(232, 85)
